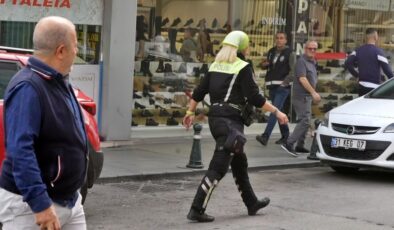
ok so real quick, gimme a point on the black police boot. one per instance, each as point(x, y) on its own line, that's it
point(252, 210)
point(195, 215)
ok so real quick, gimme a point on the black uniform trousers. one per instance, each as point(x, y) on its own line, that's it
point(219, 165)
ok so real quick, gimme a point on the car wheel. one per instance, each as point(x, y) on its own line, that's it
point(344, 169)
point(84, 192)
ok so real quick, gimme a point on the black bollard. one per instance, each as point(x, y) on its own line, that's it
point(314, 146)
point(195, 155)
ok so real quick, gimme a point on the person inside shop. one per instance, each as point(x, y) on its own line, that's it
point(370, 60)
point(278, 64)
point(304, 94)
point(189, 48)
point(46, 144)
point(228, 82)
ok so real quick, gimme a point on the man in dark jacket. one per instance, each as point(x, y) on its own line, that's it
point(46, 143)
point(279, 62)
point(370, 60)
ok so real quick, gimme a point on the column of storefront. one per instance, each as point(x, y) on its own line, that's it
point(118, 64)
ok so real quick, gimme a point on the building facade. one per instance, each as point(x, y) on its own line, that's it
point(140, 60)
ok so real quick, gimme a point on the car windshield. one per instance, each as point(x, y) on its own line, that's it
point(386, 91)
point(7, 70)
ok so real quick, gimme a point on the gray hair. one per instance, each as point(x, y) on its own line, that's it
point(50, 32)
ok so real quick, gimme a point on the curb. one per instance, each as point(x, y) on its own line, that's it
point(195, 172)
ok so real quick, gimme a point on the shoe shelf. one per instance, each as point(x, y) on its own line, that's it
point(159, 96)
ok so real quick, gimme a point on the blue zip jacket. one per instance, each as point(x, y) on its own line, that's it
point(46, 144)
point(370, 60)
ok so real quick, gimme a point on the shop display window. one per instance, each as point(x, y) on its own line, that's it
point(339, 26)
point(89, 39)
point(20, 35)
point(176, 43)
point(16, 34)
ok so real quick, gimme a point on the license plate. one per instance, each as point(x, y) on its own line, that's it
point(337, 142)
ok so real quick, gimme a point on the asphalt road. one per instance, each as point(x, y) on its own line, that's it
point(308, 198)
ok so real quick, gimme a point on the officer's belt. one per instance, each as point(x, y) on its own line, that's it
point(237, 107)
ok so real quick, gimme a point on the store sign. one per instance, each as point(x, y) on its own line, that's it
point(87, 12)
point(380, 5)
point(302, 25)
point(273, 21)
point(38, 3)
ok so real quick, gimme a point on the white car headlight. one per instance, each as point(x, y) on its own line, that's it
point(325, 120)
point(389, 129)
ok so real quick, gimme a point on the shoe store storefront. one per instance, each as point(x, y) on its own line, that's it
point(176, 40)
point(140, 60)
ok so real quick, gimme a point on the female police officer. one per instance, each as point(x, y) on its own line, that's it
point(229, 83)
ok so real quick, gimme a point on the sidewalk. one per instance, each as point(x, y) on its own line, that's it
point(152, 157)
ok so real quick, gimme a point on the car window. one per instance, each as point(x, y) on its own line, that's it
point(386, 91)
point(7, 70)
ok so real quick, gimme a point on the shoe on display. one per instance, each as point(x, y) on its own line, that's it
point(201, 23)
point(237, 23)
point(165, 21)
point(249, 23)
point(167, 101)
point(182, 68)
point(289, 149)
point(151, 122)
point(151, 101)
point(163, 112)
point(146, 93)
point(204, 69)
point(145, 70)
point(258, 205)
point(136, 96)
point(139, 106)
point(133, 123)
point(194, 215)
point(146, 113)
point(301, 149)
point(347, 97)
point(325, 70)
point(176, 22)
point(331, 97)
point(177, 113)
point(263, 139)
point(214, 23)
point(188, 22)
point(171, 90)
point(333, 63)
point(167, 68)
point(196, 71)
point(172, 121)
point(160, 67)
point(282, 140)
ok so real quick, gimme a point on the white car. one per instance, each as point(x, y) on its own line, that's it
point(359, 133)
